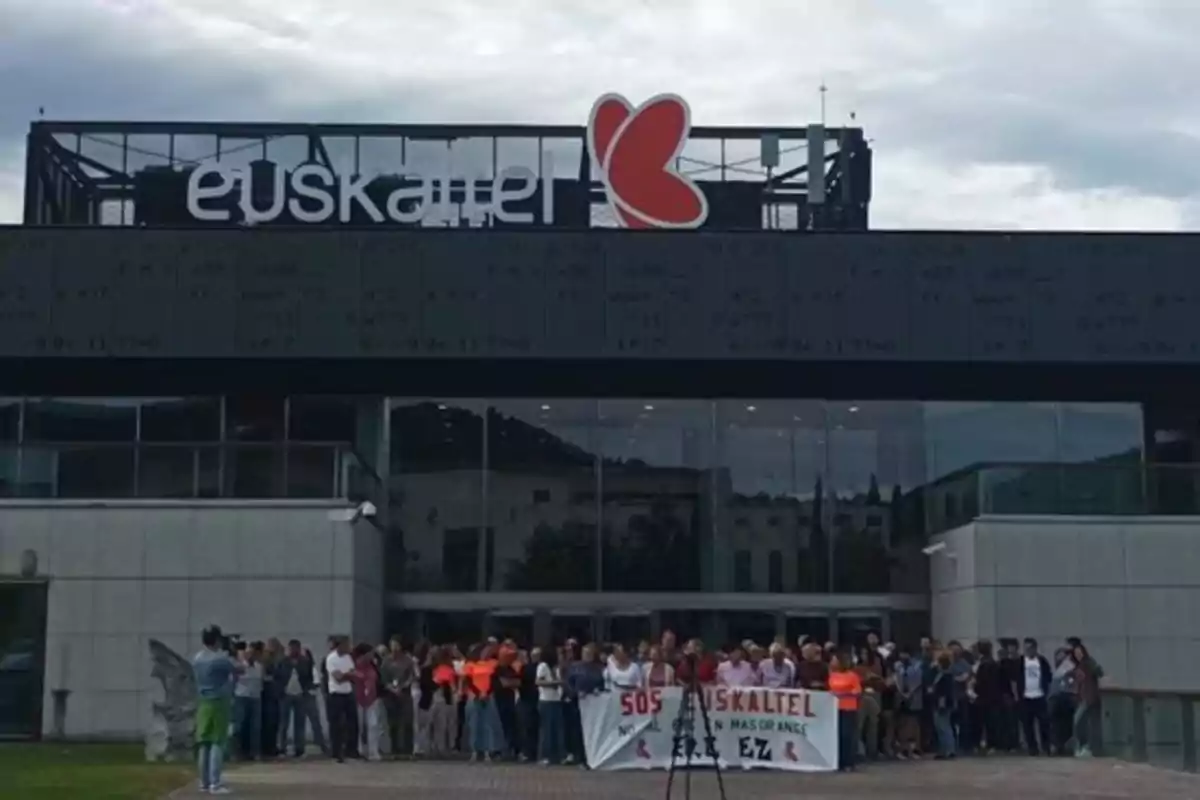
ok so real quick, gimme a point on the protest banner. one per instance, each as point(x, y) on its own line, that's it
point(752, 728)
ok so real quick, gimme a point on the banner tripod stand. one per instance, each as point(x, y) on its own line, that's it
point(683, 739)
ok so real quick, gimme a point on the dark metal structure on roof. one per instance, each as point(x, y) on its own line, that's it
point(136, 173)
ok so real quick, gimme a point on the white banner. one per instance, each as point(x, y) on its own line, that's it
point(752, 728)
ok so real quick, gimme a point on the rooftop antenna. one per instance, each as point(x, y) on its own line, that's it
point(41, 112)
point(823, 89)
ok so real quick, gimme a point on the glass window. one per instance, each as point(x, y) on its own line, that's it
point(629, 629)
point(655, 490)
point(876, 466)
point(181, 419)
point(769, 493)
point(254, 418)
point(741, 626)
point(959, 435)
point(541, 494)
point(1100, 432)
point(461, 628)
point(322, 419)
point(814, 627)
point(437, 490)
point(87, 472)
point(10, 419)
point(81, 419)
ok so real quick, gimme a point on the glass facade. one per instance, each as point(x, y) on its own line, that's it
point(647, 495)
point(181, 447)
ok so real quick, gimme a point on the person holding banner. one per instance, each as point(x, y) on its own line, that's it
point(658, 673)
point(845, 685)
point(621, 672)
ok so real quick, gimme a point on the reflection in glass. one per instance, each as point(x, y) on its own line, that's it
point(770, 529)
point(460, 628)
point(541, 483)
point(254, 470)
point(81, 419)
point(741, 626)
point(254, 418)
point(815, 628)
point(580, 627)
point(684, 624)
point(312, 470)
point(853, 630)
point(437, 491)
point(629, 629)
point(515, 626)
point(959, 435)
point(655, 489)
point(321, 419)
point(178, 471)
point(180, 419)
point(92, 472)
point(1100, 432)
point(876, 461)
point(10, 418)
point(22, 657)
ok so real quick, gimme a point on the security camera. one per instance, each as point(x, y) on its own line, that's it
point(363, 509)
point(936, 547)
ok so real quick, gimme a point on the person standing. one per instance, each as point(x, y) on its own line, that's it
point(214, 672)
point(1088, 673)
point(294, 679)
point(366, 694)
point(399, 674)
point(341, 710)
point(271, 695)
point(247, 703)
point(1033, 687)
point(847, 688)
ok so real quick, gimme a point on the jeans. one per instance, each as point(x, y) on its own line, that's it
point(573, 731)
point(370, 722)
point(210, 759)
point(247, 726)
point(1082, 726)
point(443, 725)
point(847, 722)
point(945, 732)
point(550, 731)
point(528, 716)
point(292, 712)
point(483, 725)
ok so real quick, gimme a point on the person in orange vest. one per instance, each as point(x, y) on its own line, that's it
point(845, 685)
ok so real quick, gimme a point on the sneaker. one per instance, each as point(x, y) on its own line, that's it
point(545, 762)
point(220, 790)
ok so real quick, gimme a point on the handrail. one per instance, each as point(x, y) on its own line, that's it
point(187, 470)
point(1150, 726)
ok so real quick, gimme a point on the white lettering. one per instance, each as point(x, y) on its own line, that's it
point(326, 206)
point(196, 192)
point(501, 195)
point(352, 189)
point(277, 194)
point(401, 208)
point(312, 193)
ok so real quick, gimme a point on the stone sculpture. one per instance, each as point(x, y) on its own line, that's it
point(171, 735)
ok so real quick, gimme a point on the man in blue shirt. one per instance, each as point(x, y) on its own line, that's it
point(215, 672)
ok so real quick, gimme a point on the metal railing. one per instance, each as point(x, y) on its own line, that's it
point(1091, 489)
point(1156, 728)
point(186, 470)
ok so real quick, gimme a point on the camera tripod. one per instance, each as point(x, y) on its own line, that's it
point(684, 741)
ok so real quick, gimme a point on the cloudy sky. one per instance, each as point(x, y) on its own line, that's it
point(984, 113)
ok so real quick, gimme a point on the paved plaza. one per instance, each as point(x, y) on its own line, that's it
point(1001, 778)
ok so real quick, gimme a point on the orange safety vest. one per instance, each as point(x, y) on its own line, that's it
point(846, 687)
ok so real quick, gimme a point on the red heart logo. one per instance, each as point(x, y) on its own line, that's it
point(635, 149)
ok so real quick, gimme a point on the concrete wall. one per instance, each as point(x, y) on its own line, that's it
point(1129, 586)
point(121, 574)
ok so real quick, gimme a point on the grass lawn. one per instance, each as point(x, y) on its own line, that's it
point(85, 771)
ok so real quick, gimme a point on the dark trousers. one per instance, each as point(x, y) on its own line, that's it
point(1062, 718)
point(270, 723)
point(847, 739)
point(527, 727)
point(1035, 720)
point(343, 725)
point(1008, 725)
point(400, 721)
point(573, 731)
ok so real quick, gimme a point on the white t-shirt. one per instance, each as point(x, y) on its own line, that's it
point(741, 675)
point(628, 678)
point(548, 694)
point(1033, 678)
point(781, 677)
point(343, 664)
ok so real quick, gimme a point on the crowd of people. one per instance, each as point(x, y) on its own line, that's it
point(497, 700)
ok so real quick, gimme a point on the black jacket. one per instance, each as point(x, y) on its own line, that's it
point(1046, 674)
point(283, 673)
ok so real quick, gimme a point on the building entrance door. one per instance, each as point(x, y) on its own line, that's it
point(629, 628)
point(22, 656)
